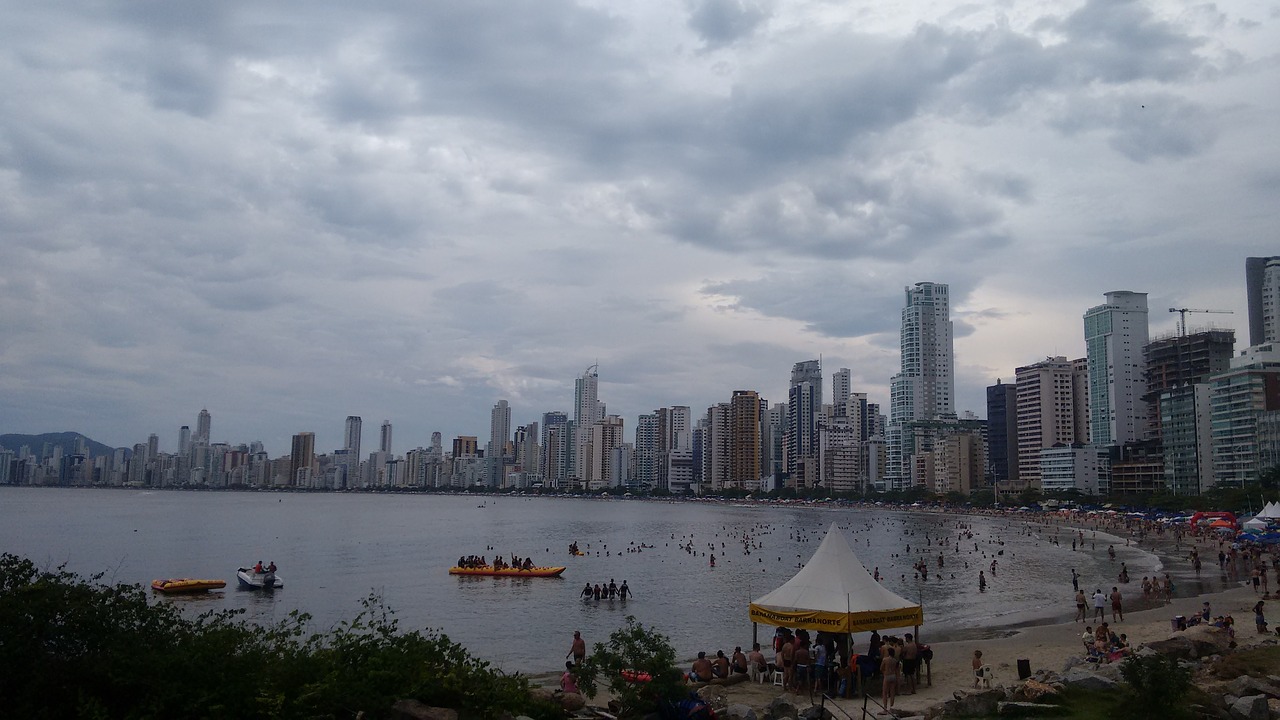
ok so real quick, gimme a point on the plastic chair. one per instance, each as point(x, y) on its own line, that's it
point(988, 677)
point(777, 678)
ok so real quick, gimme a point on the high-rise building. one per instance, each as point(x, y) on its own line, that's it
point(841, 386)
point(1046, 414)
point(1002, 434)
point(606, 435)
point(924, 388)
point(204, 424)
point(555, 463)
point(499, 436)
point(184, 441)
point(351, 435)
point(1115, 334)
point(744, 440)
point(302, 460)
point(715, 447)
point(1245, 403)
point(1178, 371)
point(384, 439)
point(804, 401)
point(647, 450)
point(1262, 287)
point(587, 411)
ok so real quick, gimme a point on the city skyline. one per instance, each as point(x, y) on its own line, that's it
point(291, 214)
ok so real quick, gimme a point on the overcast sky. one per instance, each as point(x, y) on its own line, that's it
point(293, 212)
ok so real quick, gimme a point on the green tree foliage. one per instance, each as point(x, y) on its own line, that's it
point(1159, 686)
point(636, 650)
point(76, 648)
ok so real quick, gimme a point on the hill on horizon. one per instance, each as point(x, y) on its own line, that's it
point(66, 440)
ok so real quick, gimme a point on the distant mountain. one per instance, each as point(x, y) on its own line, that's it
point(67, 440)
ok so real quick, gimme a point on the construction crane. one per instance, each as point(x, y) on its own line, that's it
point(1182, 317)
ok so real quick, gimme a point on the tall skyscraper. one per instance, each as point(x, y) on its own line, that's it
point(841, 386)
point(499, 425)
point(302, 459)
point(499, 436)
point(555, 462)
point(1262, 287)
point(715, 448)
point(351, 436)
point(1178, 371)
point(744, 439)
point(924, 388)
point(1046, 414)
point(587, 411)
point(384, 441)
point(204, 423)
point(804, 401)
point(1115, 334)
point(184, 441)
point(1002, 433)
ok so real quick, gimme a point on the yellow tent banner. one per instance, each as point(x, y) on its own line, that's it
point(838, 622)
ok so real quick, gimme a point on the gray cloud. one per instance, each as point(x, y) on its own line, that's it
point(723, 22)
point(409, 210)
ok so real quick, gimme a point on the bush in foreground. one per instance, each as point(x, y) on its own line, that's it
point(71, 647)
point(1159, 686)
point(639, 667)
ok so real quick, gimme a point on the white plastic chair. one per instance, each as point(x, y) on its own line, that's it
point(987, 677)
point(777, 678)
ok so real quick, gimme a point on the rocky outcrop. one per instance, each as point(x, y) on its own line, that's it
point(1029, 710)
point(781, 708)
point(738, 712)
point(1253, 707)
point(417, 710)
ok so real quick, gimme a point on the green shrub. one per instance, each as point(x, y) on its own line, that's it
point(633, 649)
point(1159, 686)
point(76, 648)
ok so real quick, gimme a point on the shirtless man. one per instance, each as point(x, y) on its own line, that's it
point(910, 663)
point(756, 663)
point(701, 671)
point(803, 659)
point(889, 673)
point(1116, 608)
point(578, 649)
point(738, 663)
point(787, 655)
point(1081, 603)
point(720, 666)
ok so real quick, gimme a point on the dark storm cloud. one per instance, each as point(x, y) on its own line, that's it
point(723, 22)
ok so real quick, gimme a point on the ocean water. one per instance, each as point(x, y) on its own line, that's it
point(333, 550)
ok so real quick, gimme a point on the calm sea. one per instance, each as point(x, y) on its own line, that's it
point(335, 549)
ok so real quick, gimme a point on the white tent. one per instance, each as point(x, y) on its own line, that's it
point(833, 592)
point(1256, 524)
point(1270, 512)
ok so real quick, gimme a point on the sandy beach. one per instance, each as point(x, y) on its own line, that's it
point(1049, 646)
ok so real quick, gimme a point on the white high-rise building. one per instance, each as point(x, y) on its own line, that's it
point(924, 388)
point(184, 441)
point(841, 387)
point(587, 411)
point(499, 436)
point(804, 403)
point(1046, 413)
point(499, 426)
point(1115, 334)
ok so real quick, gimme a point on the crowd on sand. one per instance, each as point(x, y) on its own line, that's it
point(825, 663)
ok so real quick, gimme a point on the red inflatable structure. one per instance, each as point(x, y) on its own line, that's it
point(1210, 517)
